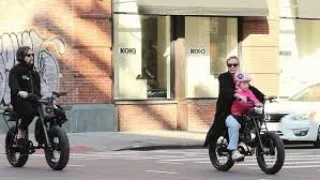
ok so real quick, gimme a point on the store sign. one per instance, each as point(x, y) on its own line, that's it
point(126, 51)
point(197, 51)
point(285, 53)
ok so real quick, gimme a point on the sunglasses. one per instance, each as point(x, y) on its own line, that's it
point(29, 55)
point(234, 65)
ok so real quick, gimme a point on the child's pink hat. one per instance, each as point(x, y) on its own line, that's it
point(241, 77)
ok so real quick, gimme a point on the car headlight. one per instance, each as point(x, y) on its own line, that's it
point(300, 131)
point(303, 116)
point(267, 117)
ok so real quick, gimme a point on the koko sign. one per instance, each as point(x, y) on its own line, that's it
point(197, 51)
point(128, 51)
point(285, 53)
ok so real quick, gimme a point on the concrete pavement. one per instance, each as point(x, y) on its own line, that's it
point(113, 141)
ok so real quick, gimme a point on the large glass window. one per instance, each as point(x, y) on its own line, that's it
point(312, 93)
point(299, 54)
point(209, 41)
point(142, 57)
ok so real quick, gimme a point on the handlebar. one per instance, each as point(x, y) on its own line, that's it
point(58, 94)
point(270, 99)
point(37, 99)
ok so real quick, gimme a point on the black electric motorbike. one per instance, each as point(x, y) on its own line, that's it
point(253, 139)
point(48, 134)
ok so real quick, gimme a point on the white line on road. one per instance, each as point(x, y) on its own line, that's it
point(293, 167)
point(169, 163)
point(289, 163)
point(299, 161)
point(305, 166)
point(162, 172)
point(184, 159)
point(75, 165)
point(251, 159)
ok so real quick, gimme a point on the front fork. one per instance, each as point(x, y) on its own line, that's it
point(258, 134)
point(41, 116)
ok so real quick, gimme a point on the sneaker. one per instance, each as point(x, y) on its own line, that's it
point(220, 140)
point(236, 155)
point(22, 144)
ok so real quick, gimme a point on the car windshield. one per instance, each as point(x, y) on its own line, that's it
point(312, 93)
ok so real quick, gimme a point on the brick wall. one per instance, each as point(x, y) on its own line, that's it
point(144, 117)
point(200, 115)
point(83, 27)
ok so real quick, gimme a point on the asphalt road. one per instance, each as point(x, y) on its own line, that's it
point(192, 164)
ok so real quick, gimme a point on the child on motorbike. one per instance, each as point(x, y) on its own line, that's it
point(245, 100)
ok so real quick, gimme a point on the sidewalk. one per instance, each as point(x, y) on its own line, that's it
point(115, 141)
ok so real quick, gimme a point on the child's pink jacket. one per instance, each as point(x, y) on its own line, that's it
point(238, 107)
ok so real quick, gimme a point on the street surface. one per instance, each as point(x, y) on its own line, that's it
point(184, 164)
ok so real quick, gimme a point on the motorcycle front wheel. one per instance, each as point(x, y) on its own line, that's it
point(273, 147)
point(57, 157)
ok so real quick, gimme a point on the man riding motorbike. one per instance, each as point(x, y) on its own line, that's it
point(226, 98)
point(24, 79)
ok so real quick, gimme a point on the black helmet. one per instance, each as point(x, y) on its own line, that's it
point(22, 52)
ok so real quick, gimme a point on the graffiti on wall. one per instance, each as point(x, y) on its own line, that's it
point(46, 62)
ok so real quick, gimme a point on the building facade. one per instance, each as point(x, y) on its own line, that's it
point(149, 64)
point(170, 81)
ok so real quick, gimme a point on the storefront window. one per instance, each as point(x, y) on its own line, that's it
point(299, 54)
point(209, 42)
point(142, 57)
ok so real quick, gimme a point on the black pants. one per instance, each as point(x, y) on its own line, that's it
point(26, 111)
point(26, 121)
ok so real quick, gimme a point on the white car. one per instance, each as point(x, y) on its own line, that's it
point(298, 118)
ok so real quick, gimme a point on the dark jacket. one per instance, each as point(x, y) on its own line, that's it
point(224, 103)
point(23, 78)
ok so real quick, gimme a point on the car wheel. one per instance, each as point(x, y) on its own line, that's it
point(317, 143)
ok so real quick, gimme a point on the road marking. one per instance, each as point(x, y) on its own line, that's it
point(304, 166)
point(293, 167)
point(300, 161)
point(185, 159)
point(289, 163)
point(169, 163)
point(75, 165)
point(162, 172)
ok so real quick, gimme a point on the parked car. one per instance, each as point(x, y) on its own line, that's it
point(298, 118)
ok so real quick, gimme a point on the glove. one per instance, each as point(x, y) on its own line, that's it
point(242, 98)
point(23, 94)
